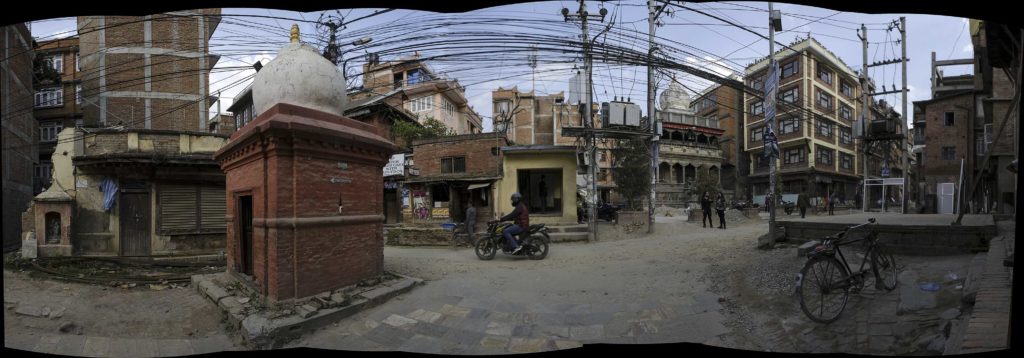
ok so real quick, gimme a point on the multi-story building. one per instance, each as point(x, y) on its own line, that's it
point(430, 94)
point(818, 101)
point(149, 72)
point(994, 61)
point(725, 104)
point(689, 145)
point(18, 128)
point(529, 119)
point(58, 100)
point(138, 178)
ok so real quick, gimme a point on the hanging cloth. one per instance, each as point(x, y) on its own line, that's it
point(109, 188)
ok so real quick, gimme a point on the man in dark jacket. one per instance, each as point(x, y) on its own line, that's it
point(705, 206)
point(803, 202)
point(521, 221)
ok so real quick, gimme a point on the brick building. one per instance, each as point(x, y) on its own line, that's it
point(430, 94)
point(725, 104)
point(689, 144)
point(449, 172)
point(819, 99)
point(148, 72)
point(18, 129)
point(58, 100)
point(137, 171)
point(529, 119)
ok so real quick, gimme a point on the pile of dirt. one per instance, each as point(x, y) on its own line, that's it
point(668, 211)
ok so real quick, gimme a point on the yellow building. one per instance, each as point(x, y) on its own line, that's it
point(545, 175)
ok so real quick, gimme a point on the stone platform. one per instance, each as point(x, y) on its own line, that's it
point(265, 326)
point(908, 234)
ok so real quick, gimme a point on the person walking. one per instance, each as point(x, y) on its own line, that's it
point(705, 206)
point(803, 202)
point(832, 201)
point(720, 208)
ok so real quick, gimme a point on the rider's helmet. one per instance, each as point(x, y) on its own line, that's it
point(515, 198)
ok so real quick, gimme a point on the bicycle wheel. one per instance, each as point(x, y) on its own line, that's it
point(884, 266)
point(820, 300)
point(485, 249)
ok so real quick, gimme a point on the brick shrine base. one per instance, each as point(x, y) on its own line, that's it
point(263, 325)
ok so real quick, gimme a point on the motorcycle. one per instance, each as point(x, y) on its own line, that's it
point(741, 204)
point(607, 212)
point(535, 244)
point(788, 207)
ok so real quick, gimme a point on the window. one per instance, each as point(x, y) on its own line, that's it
point(824, 73)
point(542, 189)
point(504, 107)
point(845, 161)
point(789, 126)
point(845, 135)
point(44, 170)
point(756, 135)
point(757, 109)
point(448, 108)
point(78, 61)
point(846, 88)
point(824, 100)
point(948, 153)
point(190, 209)
point(825, 156)
point(712, 121)
point(398, 80)
point(422, 104)
point(793, 156)
point(790, 95)
point(790, 69)
point(48, 132)
point(980, 146)
point(50, 97)
point(824, 128)
point(758, 83)
point(602, 156)
point(845, 112)
point(416, 76)
point(949, 119)
point(78, 94)
point(57, 62)
point(451, 165)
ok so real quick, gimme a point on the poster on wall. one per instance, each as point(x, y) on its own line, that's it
point(439, 213)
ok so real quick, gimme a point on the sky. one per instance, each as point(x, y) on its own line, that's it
point(243, 40)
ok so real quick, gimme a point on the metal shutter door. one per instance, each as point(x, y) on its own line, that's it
point(213, 209)
point(177, 208)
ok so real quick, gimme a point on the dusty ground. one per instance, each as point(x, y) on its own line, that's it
point(96, 310)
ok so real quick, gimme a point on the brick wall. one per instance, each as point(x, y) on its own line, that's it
point(481, 160)
point(938, 135)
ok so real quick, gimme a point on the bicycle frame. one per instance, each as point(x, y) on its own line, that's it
point(861, 271)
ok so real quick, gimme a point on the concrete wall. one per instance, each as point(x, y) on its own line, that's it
point(19, 133)
point(521, 161)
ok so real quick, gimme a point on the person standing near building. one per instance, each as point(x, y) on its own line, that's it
point(542, 189)
point(471, 222)
point(705, 207)
point(720, 208)
point(803, 202)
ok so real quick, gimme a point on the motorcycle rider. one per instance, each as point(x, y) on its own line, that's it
point(521, 221)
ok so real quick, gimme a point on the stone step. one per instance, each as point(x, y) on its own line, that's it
point(569, 228)
point(568, 236)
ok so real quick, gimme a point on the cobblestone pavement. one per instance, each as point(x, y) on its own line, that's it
point(619, 291)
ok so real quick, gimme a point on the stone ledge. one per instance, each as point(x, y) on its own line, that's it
point(263, 327)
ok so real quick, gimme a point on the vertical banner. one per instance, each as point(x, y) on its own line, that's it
point(771, 87)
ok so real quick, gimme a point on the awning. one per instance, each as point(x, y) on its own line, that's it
point(478, 186)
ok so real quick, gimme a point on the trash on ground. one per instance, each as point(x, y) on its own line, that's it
point(930, 286)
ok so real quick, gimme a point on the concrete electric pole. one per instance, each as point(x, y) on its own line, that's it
point(588, 118)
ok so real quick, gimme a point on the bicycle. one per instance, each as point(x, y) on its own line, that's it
point(460, 236)
point(832, 279)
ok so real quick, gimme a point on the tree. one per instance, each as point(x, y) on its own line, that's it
point(408, 131)
point(706, 184)
point(632, 175)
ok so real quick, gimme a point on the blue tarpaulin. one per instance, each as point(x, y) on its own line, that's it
point(109, 188)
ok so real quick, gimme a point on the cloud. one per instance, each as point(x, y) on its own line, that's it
point(691, 59)
point(718, 67)
point(968, 48)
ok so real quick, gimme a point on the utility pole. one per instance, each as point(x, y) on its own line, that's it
point(583, 16)
point(864, 114)
point(770, 140)
point(652, 119)
point(532, 61)
point(906, 117)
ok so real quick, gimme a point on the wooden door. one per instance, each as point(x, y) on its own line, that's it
point(135, 224)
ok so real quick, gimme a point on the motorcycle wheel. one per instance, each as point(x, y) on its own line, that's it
point(538, 247)
point(486, 249)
